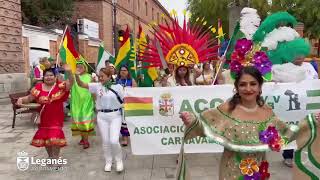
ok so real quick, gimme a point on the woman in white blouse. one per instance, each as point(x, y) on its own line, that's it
point(205, 75)
point(109, 101)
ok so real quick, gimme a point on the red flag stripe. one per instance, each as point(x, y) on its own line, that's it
point(70, 44)
point(138, 100)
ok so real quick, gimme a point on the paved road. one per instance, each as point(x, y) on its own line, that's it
point(88, 164)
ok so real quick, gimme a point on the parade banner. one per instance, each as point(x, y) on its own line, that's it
point(153, 119)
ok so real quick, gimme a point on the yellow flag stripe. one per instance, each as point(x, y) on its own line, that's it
point(123, 51)
point(153, 73)
point(138, 106)
point(70, 59)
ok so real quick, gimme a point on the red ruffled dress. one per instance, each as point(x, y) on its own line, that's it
point(52, 116)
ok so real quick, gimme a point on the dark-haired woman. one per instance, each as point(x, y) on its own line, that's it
point(109, 99)
point(246, 127)
point(50, 94)
point(205, 75)
point(182, 76)
point(126, 81)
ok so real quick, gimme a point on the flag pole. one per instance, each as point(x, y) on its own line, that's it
point(90, 66)
point(221, 63)
point(64, 33)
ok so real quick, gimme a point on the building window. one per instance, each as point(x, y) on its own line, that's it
point(158, 18)
point(146, 4)
point(152, 14)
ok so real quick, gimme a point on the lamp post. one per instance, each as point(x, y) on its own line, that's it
point(115, 39)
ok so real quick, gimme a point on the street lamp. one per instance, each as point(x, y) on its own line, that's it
point(115, 38)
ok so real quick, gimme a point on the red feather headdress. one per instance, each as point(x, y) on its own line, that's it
point(185, 45)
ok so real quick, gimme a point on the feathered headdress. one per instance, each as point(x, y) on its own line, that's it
point(249, 22)
point(275, 36)
point(184, 45)
point(282, 43)
point(289, 51)
point(247, 54)
point(272, 22)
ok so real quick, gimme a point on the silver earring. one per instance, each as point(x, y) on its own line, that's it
point(234, 91)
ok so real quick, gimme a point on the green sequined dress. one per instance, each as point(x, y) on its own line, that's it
point(244, 155)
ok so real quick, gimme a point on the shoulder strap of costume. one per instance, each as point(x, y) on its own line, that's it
point(118, 97)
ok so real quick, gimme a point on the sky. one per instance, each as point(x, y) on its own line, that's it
point(178, 5)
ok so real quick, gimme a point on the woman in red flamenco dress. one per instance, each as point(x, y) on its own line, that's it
point(50, 94)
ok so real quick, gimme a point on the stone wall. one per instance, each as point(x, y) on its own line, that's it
point(11, 60)
point(12, 67)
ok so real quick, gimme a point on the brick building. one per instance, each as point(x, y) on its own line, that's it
point(12, 66)
point(129, 12)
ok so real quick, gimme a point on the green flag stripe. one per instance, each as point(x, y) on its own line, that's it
point(313, 93)
point(138, 113)
point(63, 54)
point(313, 106)
point(100, 53)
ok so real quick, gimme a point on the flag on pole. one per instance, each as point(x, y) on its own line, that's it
point(103, 55)
point(68, 53)
point(142, 41)
point(124, 50)
point(131, 62)
point(237, 34)
point(148, 74)
point(220, 32)
point(127, 54)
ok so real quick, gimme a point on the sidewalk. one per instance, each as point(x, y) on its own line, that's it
point(88, 164)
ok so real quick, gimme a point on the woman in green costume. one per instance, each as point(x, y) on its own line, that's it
point(247, 128)
point(82, 107)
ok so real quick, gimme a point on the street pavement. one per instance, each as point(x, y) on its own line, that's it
point(88, 164)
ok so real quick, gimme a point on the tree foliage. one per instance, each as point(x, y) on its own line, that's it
point(210, 11)
point(47, 13)
point(306, 11)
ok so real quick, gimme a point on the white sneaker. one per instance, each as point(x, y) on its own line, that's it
point(119, 166)
point(107, 167)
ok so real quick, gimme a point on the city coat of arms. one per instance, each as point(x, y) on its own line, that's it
point(22, 161)
point(166, 105)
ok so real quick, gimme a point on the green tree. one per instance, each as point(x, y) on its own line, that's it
point(212, 10)
point(306, 11)
point(47, 13)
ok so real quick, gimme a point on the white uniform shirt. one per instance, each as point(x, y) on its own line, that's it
point(106, 99)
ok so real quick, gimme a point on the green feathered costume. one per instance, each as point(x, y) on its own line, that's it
point(272, 22)
point(289, 51)
point(286, 51)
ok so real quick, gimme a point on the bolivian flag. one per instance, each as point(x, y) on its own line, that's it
point(124, 50)
point(68, 52)
point(220, 32)
point(138, 106)
point(149, 73)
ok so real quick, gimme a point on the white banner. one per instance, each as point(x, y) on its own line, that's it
point(153, 119)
